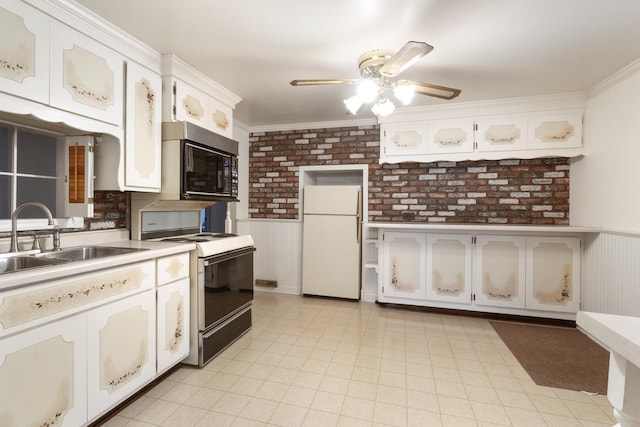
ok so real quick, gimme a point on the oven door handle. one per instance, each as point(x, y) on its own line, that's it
point(227, 256)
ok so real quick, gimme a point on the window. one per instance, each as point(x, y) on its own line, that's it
point(28, 171)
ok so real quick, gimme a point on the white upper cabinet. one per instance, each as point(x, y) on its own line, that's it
point(86, 76)
point(450, 136)
point(507, 133)
point(554, 131)
point(404, 139)
point(24, 51)
point(143, 142)
point(190, 96)
point(189, 104)
point(521, 136)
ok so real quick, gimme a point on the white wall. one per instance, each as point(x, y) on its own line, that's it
point(604, 194)
point(604, 184)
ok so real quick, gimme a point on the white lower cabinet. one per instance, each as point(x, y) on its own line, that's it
point(403, 266)
point(553, 274)
point(499, 271)
point(121, 351)
point(449, 268)
point(173, 324)
point(525, 275)
point(43, 375)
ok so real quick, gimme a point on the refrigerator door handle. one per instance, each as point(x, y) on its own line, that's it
point(358, 229)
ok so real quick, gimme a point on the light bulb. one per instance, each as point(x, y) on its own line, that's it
point(353, 104)
point(404, 93)
point(383, 107)
point(367, 91)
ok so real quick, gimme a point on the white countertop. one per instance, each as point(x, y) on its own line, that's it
point(620, 334)
point(42, 274)
point(482, 228)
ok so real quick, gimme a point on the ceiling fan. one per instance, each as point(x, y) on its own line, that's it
point(378, 69)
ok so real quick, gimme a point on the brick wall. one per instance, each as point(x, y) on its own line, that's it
point(497, 192)
point(110, 210)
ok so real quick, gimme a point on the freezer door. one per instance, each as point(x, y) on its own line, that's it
point(331, 256)
point(331, 199)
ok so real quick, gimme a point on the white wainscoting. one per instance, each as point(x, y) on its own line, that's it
point(278, 255)
point(611, 273)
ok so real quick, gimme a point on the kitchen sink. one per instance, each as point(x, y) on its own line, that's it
point(86, 252)
point(19, 263)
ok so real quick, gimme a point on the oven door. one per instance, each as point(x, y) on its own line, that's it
point(226, 286)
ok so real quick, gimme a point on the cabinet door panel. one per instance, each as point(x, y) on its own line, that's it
point(501, 134)
point(220, 118)
point(499, 271)
point(86, 77)
point(122, 350)
point(552, 131)
point(449, 268)
point(404, 255)
point(143, 126)
point(450, 136)
point(553, 274)
point(24, 51)
point(404, 139)
point(173, 324)
point(43, 375)
point(191, 105)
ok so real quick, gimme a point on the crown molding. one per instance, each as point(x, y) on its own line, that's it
point(620, 76)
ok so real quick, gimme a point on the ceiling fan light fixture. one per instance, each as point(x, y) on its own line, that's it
point(367, 91)
point(404, 93)
point(353, 104)
point(383, 107)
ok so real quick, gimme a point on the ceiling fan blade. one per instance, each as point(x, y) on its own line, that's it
point(432, 90)
point(404, 58)
point(315, 82)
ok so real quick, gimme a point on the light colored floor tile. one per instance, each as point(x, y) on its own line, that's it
point(288, 415)
point(317, 362)
point(185, 416)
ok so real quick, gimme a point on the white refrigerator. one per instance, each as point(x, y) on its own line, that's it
point(331, 241)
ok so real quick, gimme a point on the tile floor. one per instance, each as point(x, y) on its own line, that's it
point(320, 362)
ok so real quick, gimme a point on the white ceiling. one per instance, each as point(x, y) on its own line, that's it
point(490, 49)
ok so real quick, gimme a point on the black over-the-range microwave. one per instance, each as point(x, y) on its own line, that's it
point(208, 162)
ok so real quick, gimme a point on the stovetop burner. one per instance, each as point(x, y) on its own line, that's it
point(216, 235)
point(184, 239)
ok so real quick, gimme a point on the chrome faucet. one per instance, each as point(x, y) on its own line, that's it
point(14, 222)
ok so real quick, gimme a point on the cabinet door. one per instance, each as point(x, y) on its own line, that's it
point(190, 104)
point(86, 76)
point(404, 139)
point(501, 133)
point(553, 274)
point(450, 136)
point(24, 51)
point(43, 375)
point(220, 118)
point(121, 351)
point(449, 268)
point(551, 131)
point(404, 273)
point(173, 324)
point(143, 142)
point(499, 271)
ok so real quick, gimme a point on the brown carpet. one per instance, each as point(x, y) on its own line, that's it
point(558, 357)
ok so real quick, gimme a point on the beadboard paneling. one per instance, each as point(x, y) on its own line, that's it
point(611, 274)
point(278, 253)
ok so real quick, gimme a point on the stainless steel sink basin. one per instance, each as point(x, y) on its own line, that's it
point(19, 263)
point(87, 252)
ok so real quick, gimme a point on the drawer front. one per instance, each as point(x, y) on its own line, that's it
point(34, 305)
point(172, 268)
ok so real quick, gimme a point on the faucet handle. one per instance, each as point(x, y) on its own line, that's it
point(36, 242)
